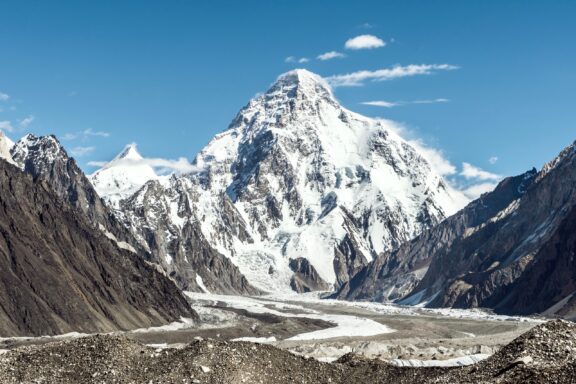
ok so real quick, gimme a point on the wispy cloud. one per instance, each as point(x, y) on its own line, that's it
point(434, 156)
point(331, 55)
point(25, 122)
point(364, 42)
point(81, 151)
point(293, 59)
point(392, 104)
point(6, 126)
point(163, 166)
point(85, 134)
point(476, 190)
point(366, 26)
point(90, 132)
point(358, 78)
point(4, 96)
point(470, 171)
point(493, 160)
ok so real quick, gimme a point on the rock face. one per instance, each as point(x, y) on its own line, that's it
point(45, 159)
point(58, 274)
point(294, 176)
point(512, 250)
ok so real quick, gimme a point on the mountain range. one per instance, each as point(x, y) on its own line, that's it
point(297, 194)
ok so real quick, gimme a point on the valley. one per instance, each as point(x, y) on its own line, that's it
point(328, 329)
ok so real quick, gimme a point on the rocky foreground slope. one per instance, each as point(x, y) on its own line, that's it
point(545, 354)
point(59, 274)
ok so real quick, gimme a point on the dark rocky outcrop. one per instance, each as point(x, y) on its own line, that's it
point(59, 274)
point(44, 158)
point(393, 275)
point(306, 278)
point(512, 250)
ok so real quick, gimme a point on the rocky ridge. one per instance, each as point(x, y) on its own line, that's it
point(59, 274)
point(491, 253)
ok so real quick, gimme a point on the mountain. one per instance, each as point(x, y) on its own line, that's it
point(123, 176)
point(59, 274)
point(298, 193)
point(512, 250)
point(44, 158)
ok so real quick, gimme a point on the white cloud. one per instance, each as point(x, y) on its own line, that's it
point(90, 132)
point(25, 122)
point(391, 104)
point(6, 126)
point(358, 78)
point(434, 156)
point(85, 134)
point(293, 59)
point(476, 190)
point(81, 151)
point(69, 136)
point(493, 160)
point(4, 96)
point(364, 42)
point(163, 166)
point(381, 103)
point(471, 172)
point(331, 55)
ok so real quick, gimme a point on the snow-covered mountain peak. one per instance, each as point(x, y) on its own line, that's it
point(122, 176)
point(130, 152)
point(46, 150)
point(298, 192)
point(303, 81)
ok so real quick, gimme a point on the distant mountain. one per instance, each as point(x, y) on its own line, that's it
point(59, 274)
point(123, 176)
point(298, 193)
point(511, 250)
point(45, 159)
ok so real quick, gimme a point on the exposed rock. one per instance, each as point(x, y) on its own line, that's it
point(305, 278)
point(546, 354)
point(512, 250)
point(59, 274)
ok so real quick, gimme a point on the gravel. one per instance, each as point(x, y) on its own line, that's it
point(545, 354)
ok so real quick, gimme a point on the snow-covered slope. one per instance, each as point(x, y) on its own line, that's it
point(297, 177)
point(5, 146)
point(122, 176)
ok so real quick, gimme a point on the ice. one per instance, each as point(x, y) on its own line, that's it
point(345, 325)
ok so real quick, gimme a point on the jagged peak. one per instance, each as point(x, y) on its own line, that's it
point(48, 144)
point(130, 152)
point(302, 80)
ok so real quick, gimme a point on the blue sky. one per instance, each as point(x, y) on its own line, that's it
point(171, 74)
